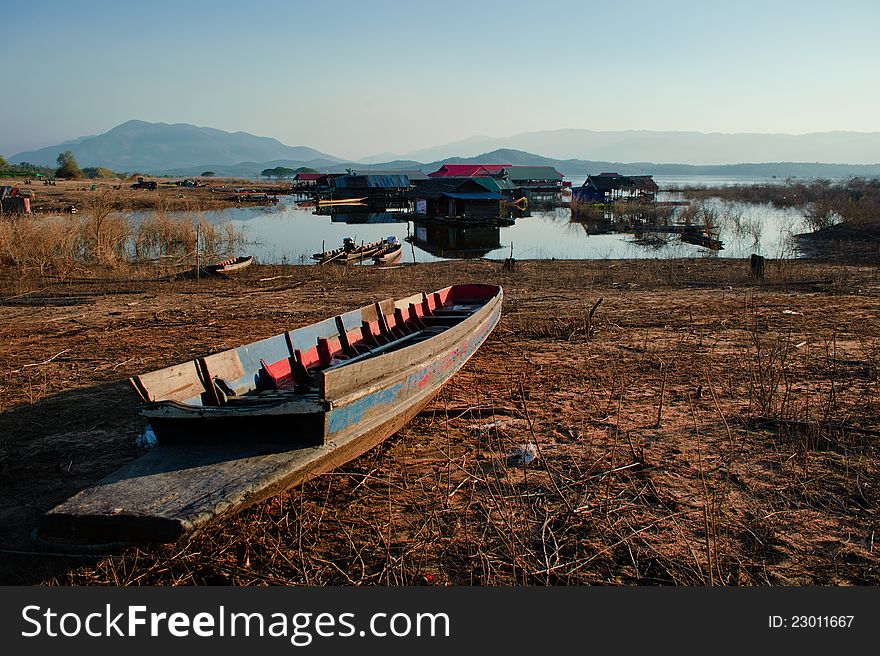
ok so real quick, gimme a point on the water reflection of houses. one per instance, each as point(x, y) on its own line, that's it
point(350, 217)
point(455, 241)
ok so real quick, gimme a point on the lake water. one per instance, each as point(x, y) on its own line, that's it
point(288, 233)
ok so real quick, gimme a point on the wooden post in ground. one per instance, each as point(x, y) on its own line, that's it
point(509, 263)
point(198, 237)
point(756, 267)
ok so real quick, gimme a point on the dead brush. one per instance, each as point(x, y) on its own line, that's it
point(42, 243)
point(565, 328)
point(162, 235)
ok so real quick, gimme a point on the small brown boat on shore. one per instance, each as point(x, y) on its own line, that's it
point(232, 265)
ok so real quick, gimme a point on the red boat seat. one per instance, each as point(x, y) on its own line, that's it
point(281, 373)
point(329, 348)
point(416, 312)
point(371, 334)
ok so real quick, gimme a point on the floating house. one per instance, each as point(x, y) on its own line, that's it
point(534, 177)
point(537, 183)
point(309, 180)
point(610, 187)
point(375, 189)
point(457, 198)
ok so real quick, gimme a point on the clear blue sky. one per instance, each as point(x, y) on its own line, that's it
point(360, 78)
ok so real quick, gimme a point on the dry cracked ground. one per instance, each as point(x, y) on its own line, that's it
point(697, 428)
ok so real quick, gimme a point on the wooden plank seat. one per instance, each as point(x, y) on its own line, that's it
point(385, 327)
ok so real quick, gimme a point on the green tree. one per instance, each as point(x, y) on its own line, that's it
point(3, 162)
point(208, 174)
point(67, 167)
point(267, 173)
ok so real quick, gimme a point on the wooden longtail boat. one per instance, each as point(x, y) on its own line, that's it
point(341, 201)
point(238, 426)
point(232, 265)
point(390, 252)
point(350, 252)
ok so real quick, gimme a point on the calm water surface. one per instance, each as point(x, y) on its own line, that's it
point(287, 233)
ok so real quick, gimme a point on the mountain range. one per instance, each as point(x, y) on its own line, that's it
point(187, 150)
point(695, 148)
point(159, 147)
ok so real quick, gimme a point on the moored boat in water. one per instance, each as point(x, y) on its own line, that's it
point(390, 252)
point(350, 252)
point(241, 425)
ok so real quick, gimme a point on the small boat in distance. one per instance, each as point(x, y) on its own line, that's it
point(702, 239)
point(390, 252)
point(232, 265)
point(350, 252)
point(341, 201)
point(239, 426)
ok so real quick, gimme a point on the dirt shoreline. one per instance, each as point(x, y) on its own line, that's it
point(216, 194)
point(762, 469)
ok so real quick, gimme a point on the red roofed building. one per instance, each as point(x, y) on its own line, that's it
point(468, 170)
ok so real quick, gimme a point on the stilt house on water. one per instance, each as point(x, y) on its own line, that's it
point(376, 189)
point(537, 183)
point(456, 198)
point(610, 187)
point(308, 181)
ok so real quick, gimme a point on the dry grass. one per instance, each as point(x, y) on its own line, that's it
point(717, 434)
point(855, 201)
point(104, 236)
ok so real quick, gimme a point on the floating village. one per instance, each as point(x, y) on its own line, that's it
point(458, 209)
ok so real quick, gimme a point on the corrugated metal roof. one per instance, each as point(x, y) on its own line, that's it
point(612, 181)
point(415, 174)
point(370, 182)
point(467, 170)
point(532, 173)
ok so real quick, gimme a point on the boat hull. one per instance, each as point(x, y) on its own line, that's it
point(231, 266)
point(179, 487)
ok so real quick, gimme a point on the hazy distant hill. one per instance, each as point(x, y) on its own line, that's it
point(572, 168)
point(686, 147)
point(582, 168)
point(186, 150)
point(253, 169)
point(158, 147)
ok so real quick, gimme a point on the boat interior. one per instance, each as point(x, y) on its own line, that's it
point(291, 365)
